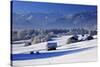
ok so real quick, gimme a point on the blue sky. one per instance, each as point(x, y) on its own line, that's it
point(27, 7)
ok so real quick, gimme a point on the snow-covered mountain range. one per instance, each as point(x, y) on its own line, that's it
point(84, 19)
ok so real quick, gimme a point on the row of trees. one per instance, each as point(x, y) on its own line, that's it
point(27, 34)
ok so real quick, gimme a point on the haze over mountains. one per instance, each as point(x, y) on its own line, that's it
point(86, 19)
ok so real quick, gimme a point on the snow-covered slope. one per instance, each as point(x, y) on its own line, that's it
point(79, 55)
point(61, 43)
point(40, 46)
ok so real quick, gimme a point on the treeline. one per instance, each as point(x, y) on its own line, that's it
point(27, 34)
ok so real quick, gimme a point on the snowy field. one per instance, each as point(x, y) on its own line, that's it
point(83, 51)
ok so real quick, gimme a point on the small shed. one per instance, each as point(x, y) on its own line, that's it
point(51, 46)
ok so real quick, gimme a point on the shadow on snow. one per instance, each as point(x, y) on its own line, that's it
point(45, 55)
